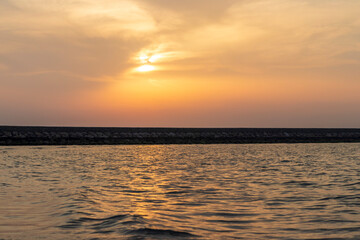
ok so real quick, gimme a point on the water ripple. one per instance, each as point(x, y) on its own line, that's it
point(274, 191)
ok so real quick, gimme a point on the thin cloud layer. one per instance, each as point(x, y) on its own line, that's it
point(225, 62)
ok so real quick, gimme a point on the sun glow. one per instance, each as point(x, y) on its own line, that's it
point(149, 59)
point(144, 58)
point(145, 68)
point(154, 58)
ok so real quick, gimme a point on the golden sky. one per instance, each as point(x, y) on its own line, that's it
point(172, 63)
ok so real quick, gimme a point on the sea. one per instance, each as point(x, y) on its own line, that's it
point(219, 191)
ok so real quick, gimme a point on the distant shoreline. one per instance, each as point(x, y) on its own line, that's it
point(26, 135)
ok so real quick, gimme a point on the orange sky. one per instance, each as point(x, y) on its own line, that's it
point(199, 63)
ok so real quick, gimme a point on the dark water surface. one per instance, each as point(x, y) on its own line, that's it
point(274, 191)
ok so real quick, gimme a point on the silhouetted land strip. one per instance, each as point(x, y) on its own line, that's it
point(16, 135)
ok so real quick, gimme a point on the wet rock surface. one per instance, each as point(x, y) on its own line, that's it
point(17, 135)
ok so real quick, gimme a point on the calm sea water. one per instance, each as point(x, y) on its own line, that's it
point(273, 191)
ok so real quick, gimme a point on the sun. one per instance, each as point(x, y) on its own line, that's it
point(145, 68)
point(147, 61)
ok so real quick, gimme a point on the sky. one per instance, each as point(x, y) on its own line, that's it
point(188, 63)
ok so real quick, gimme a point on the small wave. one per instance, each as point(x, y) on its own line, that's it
point(351, 184)
point(331, 221)
point(356, 196)
point(232, 221)
point(75, 223)
point(116, 217)
point(285, 161)
point(227, 214)
point(177, 192)
point(102, 224)
point(131, 225)
point(300, 183)
point(324, 230)
point(190, 191)
point(72, 212)
point(189, 204)
point(134, 191)
point(161, 232)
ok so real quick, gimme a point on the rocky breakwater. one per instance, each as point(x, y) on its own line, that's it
point(10, 135)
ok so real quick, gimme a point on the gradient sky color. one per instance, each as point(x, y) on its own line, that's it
point(171, 63)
